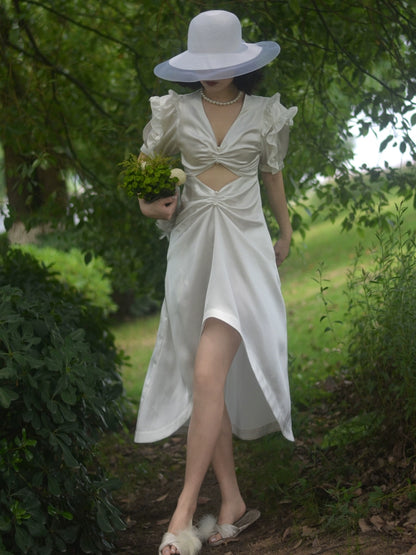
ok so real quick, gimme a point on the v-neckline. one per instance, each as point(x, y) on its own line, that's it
point(231, 126)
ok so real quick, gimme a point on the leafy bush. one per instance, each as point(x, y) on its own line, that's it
point(59, 390)
point(382, 346)
point(111, 226)
point(91, 280)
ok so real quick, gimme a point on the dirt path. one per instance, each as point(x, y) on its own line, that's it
point(148, 501)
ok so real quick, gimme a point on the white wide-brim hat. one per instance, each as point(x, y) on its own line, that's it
point(216, 50)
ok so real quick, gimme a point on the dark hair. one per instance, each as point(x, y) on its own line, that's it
point(246, 83)
point(249, 81)
point(194, 85)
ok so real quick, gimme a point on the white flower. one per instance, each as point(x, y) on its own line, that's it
point(179, 174)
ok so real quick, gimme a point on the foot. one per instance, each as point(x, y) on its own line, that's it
point(169, 549)
point(184, 543)
point(229, 513)
point(228, 532)
point(180, 524)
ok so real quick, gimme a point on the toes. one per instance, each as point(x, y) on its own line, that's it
point(214, 538)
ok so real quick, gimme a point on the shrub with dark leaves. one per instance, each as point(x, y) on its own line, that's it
point(59, 391)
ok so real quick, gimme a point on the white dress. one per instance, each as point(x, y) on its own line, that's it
point(221, 264)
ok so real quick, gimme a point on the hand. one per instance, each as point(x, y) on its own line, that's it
point(281, 250)
point(161, 209)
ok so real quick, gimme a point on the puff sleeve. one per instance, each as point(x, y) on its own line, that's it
point(275, 134)
point(160, 134)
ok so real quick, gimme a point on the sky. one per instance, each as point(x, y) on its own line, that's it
point(367, 149)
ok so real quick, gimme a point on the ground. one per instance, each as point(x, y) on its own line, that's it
point(153, 474)
point(358, 497)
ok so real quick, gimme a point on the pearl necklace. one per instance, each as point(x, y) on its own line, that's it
point(218, 103)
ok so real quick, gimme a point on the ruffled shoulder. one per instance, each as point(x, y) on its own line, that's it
point(276, 116)
point(164, 108)
point(277, 120)
point(159, 135)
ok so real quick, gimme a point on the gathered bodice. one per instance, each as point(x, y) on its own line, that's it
point(239, 151)
point(257, 138)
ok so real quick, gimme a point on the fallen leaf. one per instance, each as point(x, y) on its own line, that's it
point(377, 522)
point(391, 525)
point(306, 531)
point(411, 517)
point(316, 547)
point(176, 439)
point(364, 526)
point(161, 498)
point(130, 522)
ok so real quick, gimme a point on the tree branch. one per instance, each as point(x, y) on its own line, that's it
point(105, 36)
point(40, 56)
point(352, 58)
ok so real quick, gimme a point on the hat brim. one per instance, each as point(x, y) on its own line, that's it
point(189, 67)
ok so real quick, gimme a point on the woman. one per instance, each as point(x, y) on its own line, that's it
point(220, 360)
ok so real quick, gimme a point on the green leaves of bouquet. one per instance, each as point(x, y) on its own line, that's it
point(152, 178)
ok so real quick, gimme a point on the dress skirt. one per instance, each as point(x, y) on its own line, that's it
point(221, 264)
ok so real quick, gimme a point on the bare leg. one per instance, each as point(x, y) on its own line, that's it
point(232, 505)
point(218, 345)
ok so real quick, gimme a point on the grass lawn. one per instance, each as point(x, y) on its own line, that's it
point(137, 340)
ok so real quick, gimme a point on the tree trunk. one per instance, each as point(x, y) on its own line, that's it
point(31, 192)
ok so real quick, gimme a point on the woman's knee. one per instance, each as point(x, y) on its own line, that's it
point(208, 383)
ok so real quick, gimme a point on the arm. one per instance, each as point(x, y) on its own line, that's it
point(277, 199)
point(161, 209)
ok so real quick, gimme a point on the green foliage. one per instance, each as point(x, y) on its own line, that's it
point(148, 179)
point(339, 61)
point(59, 391)
point(344, 508)
point(382, 347)
point(75, 84)
point(276, 475)
point(337, 65)
point(111, 226)
point(359, 195)
point(2, 180)
point(91, 280)
point(354, 429)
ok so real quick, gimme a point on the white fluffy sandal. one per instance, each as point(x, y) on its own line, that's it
point(186, 542)
point(207, 527)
